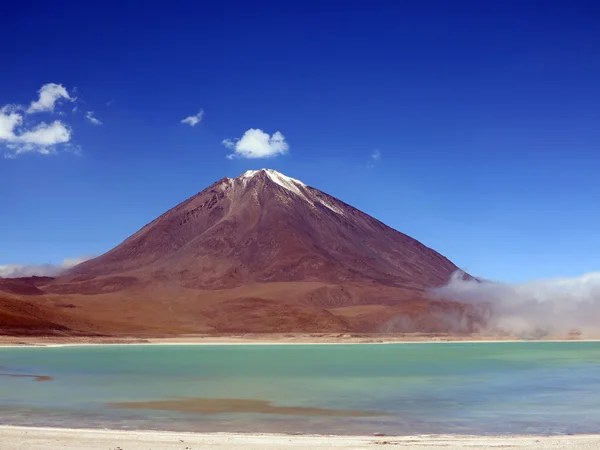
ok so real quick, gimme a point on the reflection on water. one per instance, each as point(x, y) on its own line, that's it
point(21, 375)
point(501, 388)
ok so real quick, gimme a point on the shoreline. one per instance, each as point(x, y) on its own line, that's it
point(265, 339)
point(17, 437)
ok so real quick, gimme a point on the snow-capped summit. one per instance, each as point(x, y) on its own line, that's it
point(277, 177)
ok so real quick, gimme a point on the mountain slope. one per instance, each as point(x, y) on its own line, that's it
point(265, 227)
point(262, 252)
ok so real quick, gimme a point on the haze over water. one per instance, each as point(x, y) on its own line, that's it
point(479, 388)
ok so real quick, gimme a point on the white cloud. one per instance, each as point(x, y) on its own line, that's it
point(9, 120)
point(89, 116)
point(40, 139)
point(553, 306)
point(110, 102)
point(49, 94)
point(255, 143)
point(374, 157)
point(194, 120)
point(229, 143)
point(45, 135)
point(48, 270)
point(19, 135)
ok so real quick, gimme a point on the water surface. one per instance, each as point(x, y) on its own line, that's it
point(478, 388)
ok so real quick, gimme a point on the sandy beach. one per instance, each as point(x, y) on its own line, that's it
point(270, 339)
point(19, 438)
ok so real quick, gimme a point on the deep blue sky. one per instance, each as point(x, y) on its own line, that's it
point(486, 116)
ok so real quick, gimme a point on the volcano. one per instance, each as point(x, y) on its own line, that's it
point(262, 252)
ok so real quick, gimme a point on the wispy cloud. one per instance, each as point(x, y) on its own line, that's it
point(374, 158)
point(110, 102)
point(48, 270)
point(192, 121)
point(49, 94)
point(21, 133)
point(89, 116)
point(255, 143)
point(542, 307)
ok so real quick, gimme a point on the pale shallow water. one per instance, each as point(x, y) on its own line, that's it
point(464, 388)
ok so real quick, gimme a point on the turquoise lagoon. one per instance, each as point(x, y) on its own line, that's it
point(421, 388)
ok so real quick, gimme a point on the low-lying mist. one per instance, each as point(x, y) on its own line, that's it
point(41, 270)
point(553, 307)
